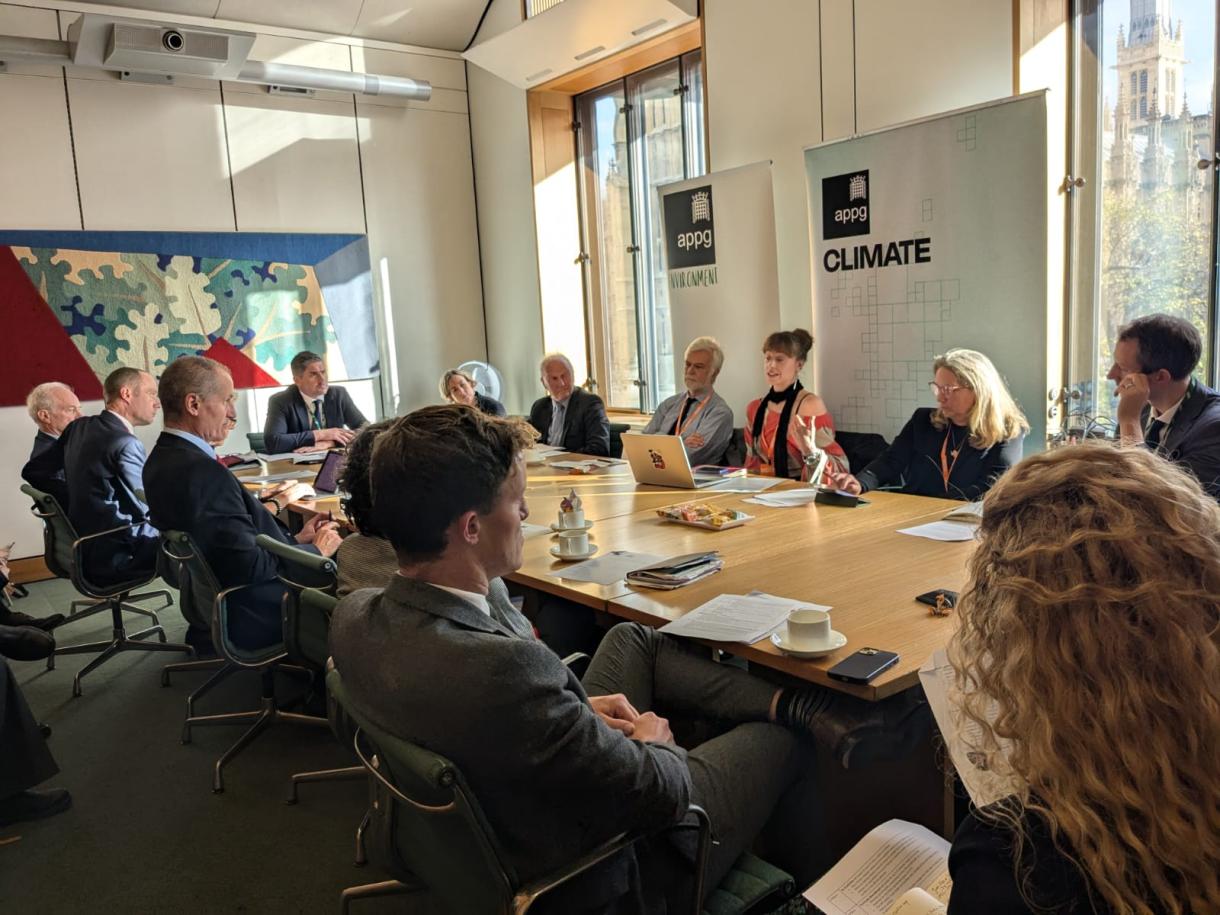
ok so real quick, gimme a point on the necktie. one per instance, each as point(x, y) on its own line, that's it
point(690, 401)
point(1152, 438)
point(318, 418)
point(555, 435)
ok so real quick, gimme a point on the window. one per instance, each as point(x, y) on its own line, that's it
point(636, 134)
point(1144, 234)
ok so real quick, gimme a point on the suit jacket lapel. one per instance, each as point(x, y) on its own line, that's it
point(1191, 407)
point(439, 602)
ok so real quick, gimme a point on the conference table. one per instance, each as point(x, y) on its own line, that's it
point(850, 559)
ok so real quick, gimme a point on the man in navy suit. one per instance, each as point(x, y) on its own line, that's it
point(53, 407)
point(310, 413)
point(568, 417)
point(104, 467)
point(189, 490)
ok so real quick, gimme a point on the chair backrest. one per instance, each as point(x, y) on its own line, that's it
point(306, 630)
point(307, 616)
point(735, 454)
point(58, 535)
point(258, 442)
point(861, 448)
point(616, 438)
point(427, 826)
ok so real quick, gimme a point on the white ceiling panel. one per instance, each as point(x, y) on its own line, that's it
point(446, 24)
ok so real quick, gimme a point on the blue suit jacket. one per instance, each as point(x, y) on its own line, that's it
point(45, 468)
point(104, 467)
point(289, 425)
point(189, 491)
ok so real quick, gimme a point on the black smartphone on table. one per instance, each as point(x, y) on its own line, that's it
point(929, 597)
point(861, 666)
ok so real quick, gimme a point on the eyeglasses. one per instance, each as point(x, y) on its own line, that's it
point(947, 389)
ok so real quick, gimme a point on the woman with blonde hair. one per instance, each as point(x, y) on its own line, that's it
point(458, 387)
point(788, 428)
point(958, 448)
point(1088, 658)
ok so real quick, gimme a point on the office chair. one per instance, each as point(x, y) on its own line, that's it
point(65, 549)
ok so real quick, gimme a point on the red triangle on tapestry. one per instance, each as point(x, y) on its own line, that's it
point(44, 352)
point(246, 372)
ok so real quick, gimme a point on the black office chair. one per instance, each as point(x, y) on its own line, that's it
point(66, 551)
point(861, 448)
point(258, 442)
point(432, 834)
point(735, 454)
point(616, 438)
point(57, 554)
point(264, 661)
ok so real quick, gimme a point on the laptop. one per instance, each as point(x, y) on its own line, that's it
point(660, 460)
point(326, 483)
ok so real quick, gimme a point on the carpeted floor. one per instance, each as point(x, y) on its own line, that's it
point(145, 833)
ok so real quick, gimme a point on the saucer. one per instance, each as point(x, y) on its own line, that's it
point(569, 557)
point(837, 641)
point(556, 528)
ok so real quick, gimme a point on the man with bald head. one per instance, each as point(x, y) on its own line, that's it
point(569, 417)
point(53, 407)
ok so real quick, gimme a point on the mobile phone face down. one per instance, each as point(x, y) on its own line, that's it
point(861, 666)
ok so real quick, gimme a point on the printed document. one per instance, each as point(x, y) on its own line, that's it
point(877, 876)
point(947, 531)
point(608, 569)
point(735, 618)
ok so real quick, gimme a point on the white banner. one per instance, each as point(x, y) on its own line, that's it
point(928, 236)
point(722, 272)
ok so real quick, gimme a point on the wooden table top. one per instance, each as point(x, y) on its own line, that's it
point(848, 558)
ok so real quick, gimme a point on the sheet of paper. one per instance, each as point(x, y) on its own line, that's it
point(937, 678)
point(586, 466)
point(608, 569)
point(946, 531)
point(289, 455)
point(744, 484)
point(970, 513)
point(893, 858)
point(534, 530)
point(917, 902)
point(789, 498)
point(733, 618)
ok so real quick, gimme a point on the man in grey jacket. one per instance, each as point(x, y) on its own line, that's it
point(559, 765)
point(697, 415)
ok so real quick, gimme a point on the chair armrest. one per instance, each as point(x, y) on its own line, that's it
point(79, 543)
point(525, 896)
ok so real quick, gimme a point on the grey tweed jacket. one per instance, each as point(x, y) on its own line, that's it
point(552, 778)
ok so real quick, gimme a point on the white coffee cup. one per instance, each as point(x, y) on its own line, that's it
point(574, 519)
point(573, 543)
point(808, 629)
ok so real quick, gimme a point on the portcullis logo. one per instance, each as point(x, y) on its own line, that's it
point(690, 228)
point(845, 205)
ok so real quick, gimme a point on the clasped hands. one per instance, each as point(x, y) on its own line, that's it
point(617, 712)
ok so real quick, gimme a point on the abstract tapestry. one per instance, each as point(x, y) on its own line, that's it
point(77, 305)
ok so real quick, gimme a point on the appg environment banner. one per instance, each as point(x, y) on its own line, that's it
point(927, 236)
point(721, 271)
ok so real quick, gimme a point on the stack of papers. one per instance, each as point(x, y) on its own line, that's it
point(959, 524)
point(744, 484)
point(584, 466)
point(676, 571)
point(734, 618)
point(606, 570)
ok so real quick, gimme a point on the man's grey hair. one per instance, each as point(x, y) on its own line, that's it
point(708, 345)
point(43, 397)
point(556, 357)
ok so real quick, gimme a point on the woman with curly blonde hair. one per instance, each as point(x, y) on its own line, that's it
point(958, 448)
point(1088, 656)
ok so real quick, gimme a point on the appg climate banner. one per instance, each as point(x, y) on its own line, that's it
point(927, 236)
point(721, 271)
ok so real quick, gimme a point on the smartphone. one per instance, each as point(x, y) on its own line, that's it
point(929, 597)
point(863, 665)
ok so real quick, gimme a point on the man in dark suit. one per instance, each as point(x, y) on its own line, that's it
point(53, 406)
point(189, 490)
point(104, 467)
point(25, 760)
point(310, 412)
point(558, 764)
point(569, 417)
point(1159, 403)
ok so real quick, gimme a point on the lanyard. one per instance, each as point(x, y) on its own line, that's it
point(946, 469)
point(690, 416)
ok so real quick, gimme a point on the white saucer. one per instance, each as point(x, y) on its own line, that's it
point(570, 557)
point(556, 528)
point(837, 641)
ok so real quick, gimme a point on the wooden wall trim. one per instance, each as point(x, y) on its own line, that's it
point(29, 569)
point(659, 48)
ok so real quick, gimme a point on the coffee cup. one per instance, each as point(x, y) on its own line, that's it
point(573, 543)
point(572, 520)
point(808, 629)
